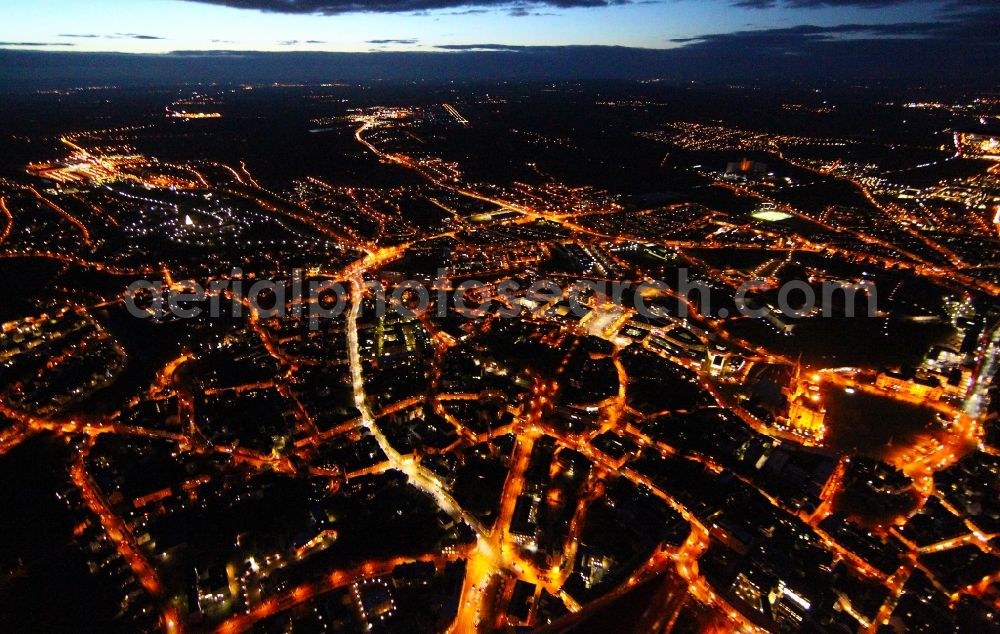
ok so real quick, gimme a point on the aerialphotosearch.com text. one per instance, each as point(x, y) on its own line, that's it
point(316, 300)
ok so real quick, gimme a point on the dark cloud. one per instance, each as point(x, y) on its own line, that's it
point(132, 36)
point(945, 6)
point(35, 44)
point(863, 4)
point(336, 7)
point(814, 4)
point(524, 12)
point(507, 48)
point(524, 7)
point(396, 41)
point(817, 33)
point(979, 26)
point(294, 42)
point(113, 36)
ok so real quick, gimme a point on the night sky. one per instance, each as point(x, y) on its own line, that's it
point(156, 26)
point(727, 40)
